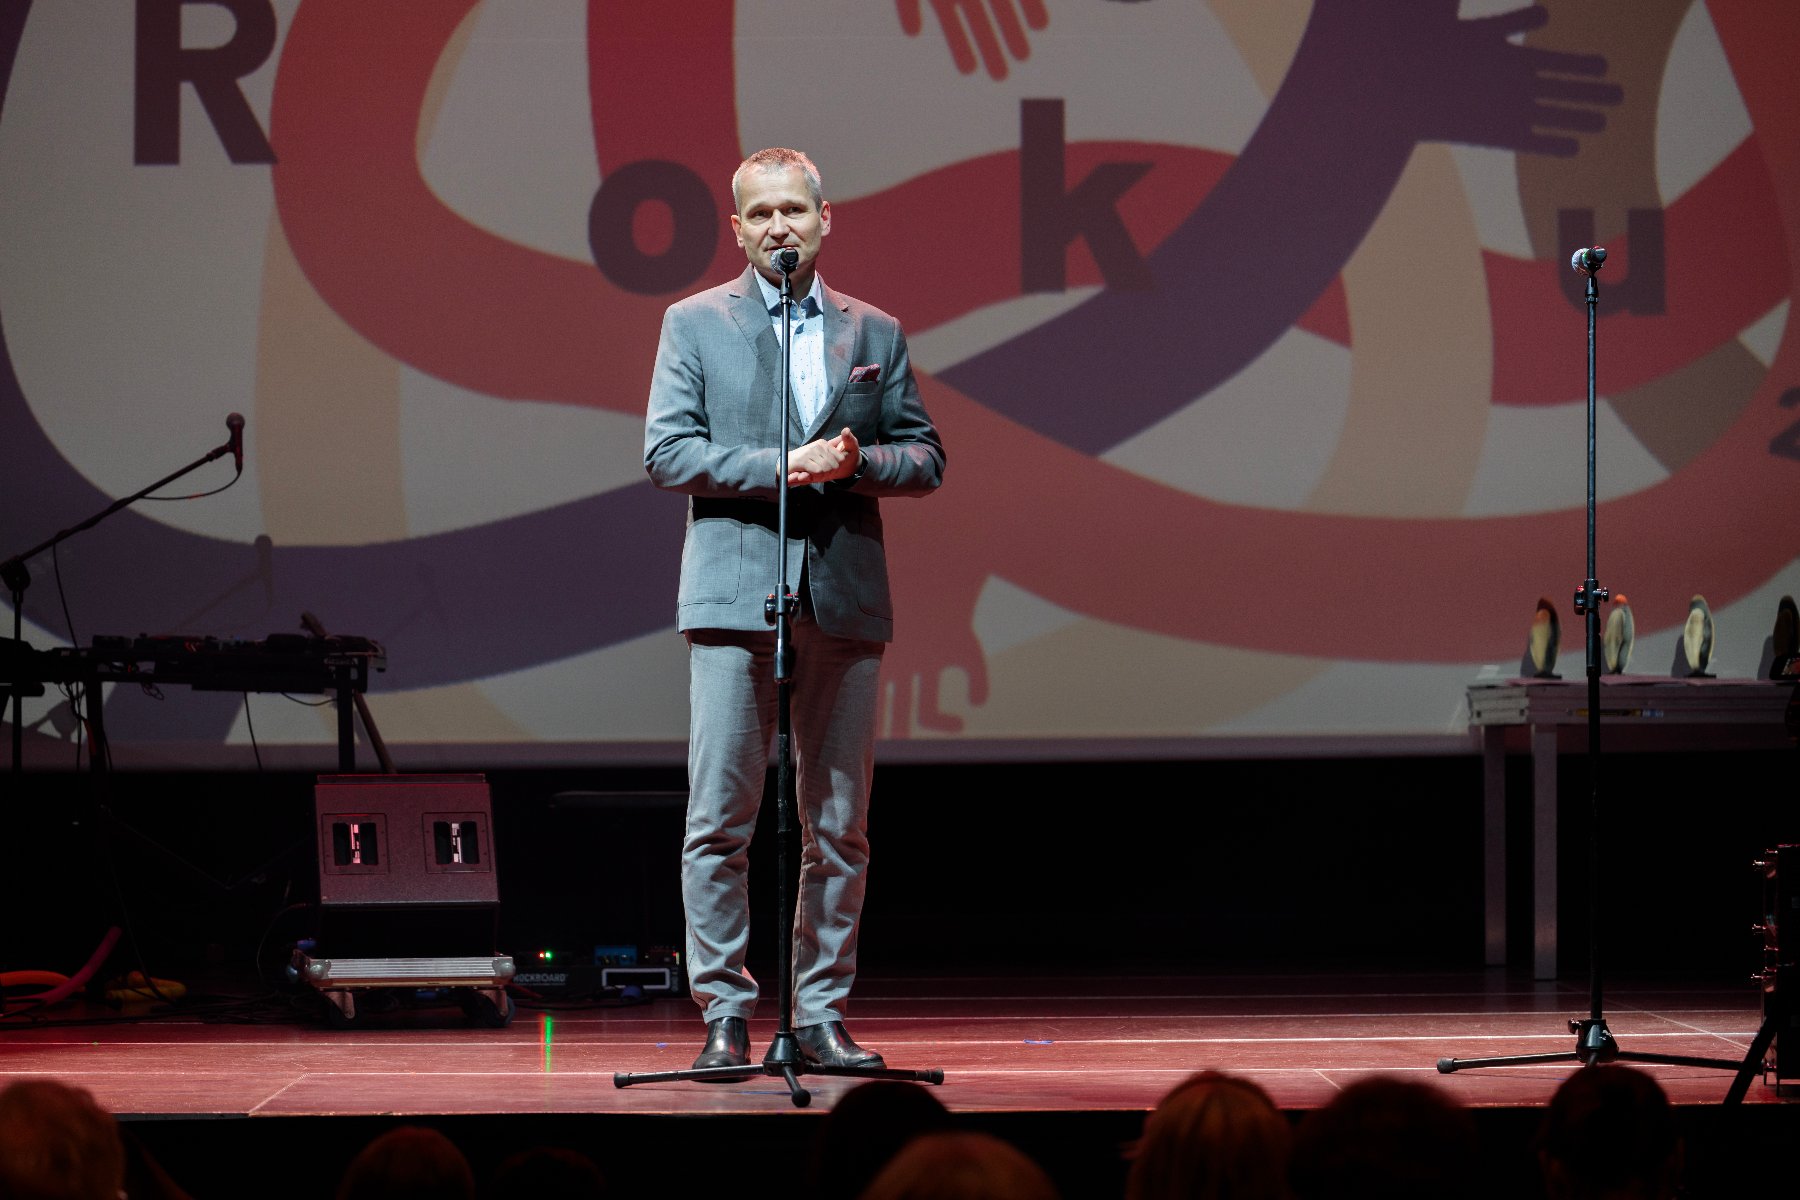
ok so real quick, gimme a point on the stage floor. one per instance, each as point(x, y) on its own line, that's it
point(1045, 1044)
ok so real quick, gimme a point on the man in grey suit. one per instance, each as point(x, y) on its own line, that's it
point(712, 432)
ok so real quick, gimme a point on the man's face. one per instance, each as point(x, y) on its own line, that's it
point(776, 212)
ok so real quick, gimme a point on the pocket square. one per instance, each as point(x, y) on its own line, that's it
point(866, 374)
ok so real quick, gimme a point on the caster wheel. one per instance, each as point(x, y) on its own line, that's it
point(481, 1009)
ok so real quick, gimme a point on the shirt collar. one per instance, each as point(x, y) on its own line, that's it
point(812, 302)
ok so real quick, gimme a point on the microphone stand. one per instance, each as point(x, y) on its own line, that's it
point(1594, 1042)
point(17, 579)
point(314, 626)
point(783, 1059)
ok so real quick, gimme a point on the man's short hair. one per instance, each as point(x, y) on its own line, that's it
point(777, 158)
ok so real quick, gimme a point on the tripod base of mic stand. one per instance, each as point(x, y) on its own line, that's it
point(784, 1062)
point(1594, 1044)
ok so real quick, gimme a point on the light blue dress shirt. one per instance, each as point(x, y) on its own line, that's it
point(808, 358)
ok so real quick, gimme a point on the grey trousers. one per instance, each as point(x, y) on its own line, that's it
point(732, 693)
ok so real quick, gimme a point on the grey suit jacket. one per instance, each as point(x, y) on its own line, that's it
point(712, 433)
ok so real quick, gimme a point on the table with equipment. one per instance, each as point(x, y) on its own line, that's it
point(338, 666)
point(1546, 717)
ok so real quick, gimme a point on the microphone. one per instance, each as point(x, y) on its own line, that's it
point(1587, 260)
point(235, 423)
point(787, 258)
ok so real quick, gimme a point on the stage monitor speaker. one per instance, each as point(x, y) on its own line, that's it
point(406, 865)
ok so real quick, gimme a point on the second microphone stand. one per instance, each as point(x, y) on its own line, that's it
point(1594, 1042)
point(783, 1059)
point(17, 578)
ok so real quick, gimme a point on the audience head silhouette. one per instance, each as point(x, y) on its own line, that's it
point(1609, 1134)
point(865, 1129)
point(408, 1163)
point(545, 1171)
point(1386, 1137)
point(1213, 1137)
point(57, 1143)
point(960, 1166)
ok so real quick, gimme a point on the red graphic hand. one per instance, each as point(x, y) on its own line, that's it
point(962, 20)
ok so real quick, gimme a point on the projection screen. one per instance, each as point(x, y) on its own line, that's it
point(1249, 326)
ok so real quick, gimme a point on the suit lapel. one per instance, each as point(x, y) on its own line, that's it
point(840, 331)
point(753, 322)
point(840, 342)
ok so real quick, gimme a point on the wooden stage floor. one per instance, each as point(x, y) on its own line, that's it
point(1067, 1043)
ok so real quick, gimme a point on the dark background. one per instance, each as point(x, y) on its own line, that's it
point(1178, 866)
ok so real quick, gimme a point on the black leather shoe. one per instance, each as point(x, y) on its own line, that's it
point(727, 1045)
point(828, 1045)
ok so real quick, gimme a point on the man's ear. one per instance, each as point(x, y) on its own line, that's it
point(737, 230)
point(824, 217)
